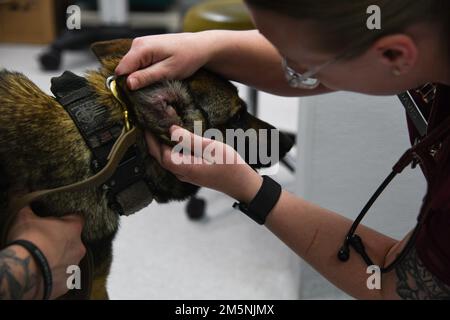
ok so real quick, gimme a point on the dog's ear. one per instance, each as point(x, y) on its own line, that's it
point(109, 53)
point(113, 48)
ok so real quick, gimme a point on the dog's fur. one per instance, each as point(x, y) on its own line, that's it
point(41, 148)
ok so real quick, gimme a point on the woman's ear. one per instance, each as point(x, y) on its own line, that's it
point(398, 52)
point(109, 53)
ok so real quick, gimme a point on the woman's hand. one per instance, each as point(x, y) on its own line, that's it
point(59, 239)
point(159, 57)
point(208, 163)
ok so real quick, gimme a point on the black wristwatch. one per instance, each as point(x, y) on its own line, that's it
point(264, 201)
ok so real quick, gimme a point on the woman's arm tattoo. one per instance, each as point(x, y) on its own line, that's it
point(414, 281)
point(16, 279)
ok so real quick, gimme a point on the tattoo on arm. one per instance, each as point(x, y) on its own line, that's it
point(415, 282)
point(16, 278)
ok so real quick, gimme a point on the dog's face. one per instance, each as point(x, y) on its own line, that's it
point(202, 98)
point(198, 103)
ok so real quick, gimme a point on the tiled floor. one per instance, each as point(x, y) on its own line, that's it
point(161, 254)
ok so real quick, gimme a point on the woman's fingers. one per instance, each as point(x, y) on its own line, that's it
point(211, 151)
point(223, 169)
point(141, 66)
point(155, 58)
point(191, 142)
point(194, 159)
point(76, 220)
point(144, 77)
point(25, 213)
point(137, 57)
point(179, 163)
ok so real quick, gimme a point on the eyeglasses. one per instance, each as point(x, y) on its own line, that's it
point(305, 80)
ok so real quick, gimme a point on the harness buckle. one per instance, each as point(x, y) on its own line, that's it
point(111, 84)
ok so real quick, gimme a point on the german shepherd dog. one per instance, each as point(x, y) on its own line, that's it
point(41, 147)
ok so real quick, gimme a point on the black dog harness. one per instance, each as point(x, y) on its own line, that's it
point(91, 118)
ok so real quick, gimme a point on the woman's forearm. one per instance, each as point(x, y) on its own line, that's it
point(19, 276)
point(247, 57)
point(316, 234)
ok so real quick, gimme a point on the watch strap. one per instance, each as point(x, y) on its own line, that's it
point(264, 201)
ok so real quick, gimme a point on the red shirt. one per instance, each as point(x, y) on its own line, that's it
point(433, 238)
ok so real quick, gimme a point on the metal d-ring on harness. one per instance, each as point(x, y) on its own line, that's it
point(111, 84)
point(126, 139)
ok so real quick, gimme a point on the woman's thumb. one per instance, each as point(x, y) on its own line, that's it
point(147, 76)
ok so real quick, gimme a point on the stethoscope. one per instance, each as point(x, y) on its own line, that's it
point(352, 240)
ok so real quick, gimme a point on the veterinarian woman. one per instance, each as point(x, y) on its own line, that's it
point(327, 40)
point(58, 239)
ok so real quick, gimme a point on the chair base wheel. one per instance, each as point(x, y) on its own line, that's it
point(195, 208)
point(50, 60)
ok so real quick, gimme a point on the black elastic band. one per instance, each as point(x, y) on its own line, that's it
point(264, 201)
point(42, 263)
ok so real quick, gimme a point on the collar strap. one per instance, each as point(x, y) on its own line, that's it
point(91, 118)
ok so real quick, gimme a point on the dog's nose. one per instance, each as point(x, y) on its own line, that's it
point(286, 142)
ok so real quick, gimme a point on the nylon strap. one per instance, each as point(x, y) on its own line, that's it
point(123, 143)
